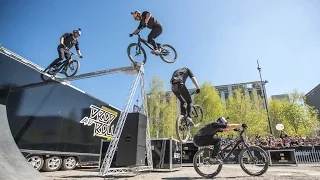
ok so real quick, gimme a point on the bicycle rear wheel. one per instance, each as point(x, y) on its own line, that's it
point(137, 50)
point(182, 129)
point(166, 52)
point(246, 156)
point(43, 75)
point(201, 158)
point(197, 115)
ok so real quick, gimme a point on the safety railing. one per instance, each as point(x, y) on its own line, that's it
point(308, 156)
point(20, 59)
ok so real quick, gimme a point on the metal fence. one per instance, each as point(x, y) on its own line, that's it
point(308, 156)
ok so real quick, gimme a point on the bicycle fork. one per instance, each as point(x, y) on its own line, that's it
point(249, 151)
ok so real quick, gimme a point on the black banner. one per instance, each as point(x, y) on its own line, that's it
point(282, 157)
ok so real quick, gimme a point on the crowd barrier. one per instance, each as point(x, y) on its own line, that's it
point(277, 156)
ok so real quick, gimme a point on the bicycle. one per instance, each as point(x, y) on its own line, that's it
point(63, 66)
point(164, 52)
point(182, 125)
point(222, 158)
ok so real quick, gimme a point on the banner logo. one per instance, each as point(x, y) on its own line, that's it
point(102, 119)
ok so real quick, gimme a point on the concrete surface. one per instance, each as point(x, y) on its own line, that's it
point(308, 172)
point(13, 165)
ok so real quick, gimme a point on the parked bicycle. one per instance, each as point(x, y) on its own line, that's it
point(165, 51)
point(183, 126)
point(62, 67)
point(248, 154)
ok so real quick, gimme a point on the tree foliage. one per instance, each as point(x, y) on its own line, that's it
point(211, 104)
point(249, 110)
point(296, 116)
point(162, 110)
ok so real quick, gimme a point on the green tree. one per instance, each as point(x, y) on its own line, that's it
point(154, 105)
point(276, 113)
point(169, 116)
point(297, 116)
point(244, 109)
point(211, 104)
point(162, 110)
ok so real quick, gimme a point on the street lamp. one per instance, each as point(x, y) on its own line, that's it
point(265, 98)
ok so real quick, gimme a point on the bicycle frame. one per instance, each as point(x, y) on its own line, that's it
point(236, 144)
point(64, 63)
point(192, 107)
point(141, 40)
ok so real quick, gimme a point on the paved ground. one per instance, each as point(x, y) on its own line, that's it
point(308, 172)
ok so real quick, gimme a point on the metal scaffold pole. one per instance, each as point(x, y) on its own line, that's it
point(145, 111)
point(105, 168)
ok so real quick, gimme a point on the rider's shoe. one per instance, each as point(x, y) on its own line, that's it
point(190, 122)
point(156, 51)
point(53, 69)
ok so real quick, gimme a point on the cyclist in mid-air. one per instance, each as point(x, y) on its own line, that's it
point(67, 41)
point(147, 20)
point(180, 90)
point(206, 135)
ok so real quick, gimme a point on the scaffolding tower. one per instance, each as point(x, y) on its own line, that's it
point(105, 168)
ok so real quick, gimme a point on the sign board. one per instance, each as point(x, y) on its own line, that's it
point(282, 157)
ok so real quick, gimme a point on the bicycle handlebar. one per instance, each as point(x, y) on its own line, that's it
point(241, 131)
point(194, 92)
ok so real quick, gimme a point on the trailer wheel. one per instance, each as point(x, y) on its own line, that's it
point(36, 162)
point(69, 163)
point(52, 163)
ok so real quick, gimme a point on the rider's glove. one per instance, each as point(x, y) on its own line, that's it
point(130, 35)
point(80, 56)
point(198, 91)
point(244, 125)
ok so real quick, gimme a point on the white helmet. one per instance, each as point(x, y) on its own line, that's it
point(222, 120)
point(77, 31)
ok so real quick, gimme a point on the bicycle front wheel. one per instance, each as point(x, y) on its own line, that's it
point(168, 53)
point(73, 66)
point(201, 160)
point(182, 129)
point(136, 53)
point(256, 156)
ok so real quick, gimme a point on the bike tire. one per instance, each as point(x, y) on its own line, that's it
point(75, 72)
point(174, 52)
point(143, 52)
point(43, 76)
point(257, 148)
point(199, 111)
point(195, 158)
point(182, 140)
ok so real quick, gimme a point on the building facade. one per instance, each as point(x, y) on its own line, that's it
point(313, 98)
point(284, 97)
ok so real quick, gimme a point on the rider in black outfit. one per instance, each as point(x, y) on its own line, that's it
point(67, 41)
point(179, 88)
point(206, 135)
point(146, 20)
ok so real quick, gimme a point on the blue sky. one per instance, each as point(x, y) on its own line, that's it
point(219, 40)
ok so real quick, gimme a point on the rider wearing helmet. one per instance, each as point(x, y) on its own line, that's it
point(180, 90)
point(206, 135)
point(146, 20)
point(67, 41)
